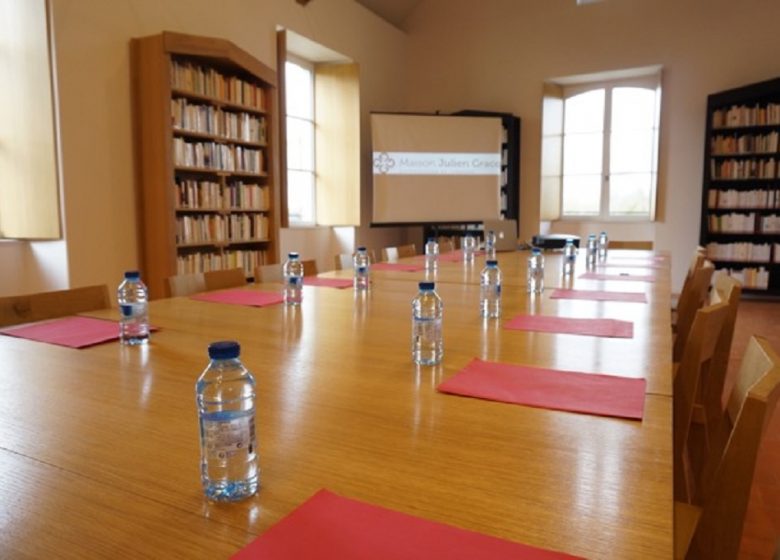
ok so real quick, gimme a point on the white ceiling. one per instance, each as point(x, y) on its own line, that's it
point(392, 11)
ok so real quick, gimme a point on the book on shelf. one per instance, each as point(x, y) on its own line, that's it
point(743, 252)
point(746, 115)
point(208, 82)
point(744, 168)
point(732, 223)
point(733, 198)
point(196, 262)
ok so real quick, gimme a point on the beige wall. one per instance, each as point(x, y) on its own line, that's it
point(496, 54)
point(91, 43)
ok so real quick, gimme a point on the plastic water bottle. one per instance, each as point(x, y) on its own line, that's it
point(490, 245)
point(293, 279)
point(427, 313)
point(569, 257)
point(603, 245)
point(469, 248)
point(133, 300)
point(361, 266)
point(431, 254)
point(225, 394)
point(490, 290)
point(592, 250)
point(536, 272)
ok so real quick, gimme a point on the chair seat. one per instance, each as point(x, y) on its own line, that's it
point(686, 517)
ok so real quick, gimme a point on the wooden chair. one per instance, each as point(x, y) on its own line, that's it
point(708, 431)
point(699, 351)
point(266, 273)
point(221, 279)
point(185, 284)
point(646, 245)
point(15, 310)
point(697, 260)
point(395, 253)
point(446, 244)
point(309, 267)
point(715, 529)
point(693, 299)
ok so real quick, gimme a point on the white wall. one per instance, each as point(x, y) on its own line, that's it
point(92, 57)
point(496, 54)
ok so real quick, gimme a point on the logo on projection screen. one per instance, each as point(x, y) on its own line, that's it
point(436, 163)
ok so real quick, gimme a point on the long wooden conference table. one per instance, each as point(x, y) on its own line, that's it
point(99, 447)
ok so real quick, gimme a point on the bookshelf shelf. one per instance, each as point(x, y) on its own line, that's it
point(741, 187)
point(203, 110)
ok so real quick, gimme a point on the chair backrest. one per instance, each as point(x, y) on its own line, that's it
point(309, 267)
point(728, 290)
point(395, 253)
point(694, 298)
point(446, 244)
point(719, 529)
point(15, 310)
point(221, 279)
point(343, 261)
point(269, 273)
point(699, 351)
point(185, 284)
point(646, 245)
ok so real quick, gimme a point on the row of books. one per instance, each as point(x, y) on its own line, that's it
point(732, 223)
point(207, 119)
point(192, 263)
point(745, 143)
point(732, 198)
point(769, 224)
point(753, 278)
point(215, 228)
point(203, 80)
point(223, 157)
point(194, 195)
point(744, 115)
point(745, 252)
point(744, 169)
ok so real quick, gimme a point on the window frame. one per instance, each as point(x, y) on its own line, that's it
point(648, 81)
point(310, 67)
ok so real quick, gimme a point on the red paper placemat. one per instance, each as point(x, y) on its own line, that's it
point(242, 297)
point(330, 527)
point(73, 332)
point(404, 267)
point(599, 295)
point(629, 277)
point(571, 325)
point(339, 283)
point(590, 393)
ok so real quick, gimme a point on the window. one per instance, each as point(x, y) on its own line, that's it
point(610, 149)
point(301, 170)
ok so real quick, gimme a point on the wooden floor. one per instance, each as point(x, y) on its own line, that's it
point(761, 535)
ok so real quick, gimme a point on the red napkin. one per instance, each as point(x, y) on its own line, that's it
point(329, 527)
point(635, 277)
point(599, 295)
point(74, 332)
point(591, 393)
point(327, 282)
point(404, 267)
point(242, 297)
point(571, 325)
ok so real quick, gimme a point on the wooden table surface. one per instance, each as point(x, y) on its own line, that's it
point(99, 447)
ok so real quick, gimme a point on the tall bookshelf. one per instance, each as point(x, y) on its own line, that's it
point(203, 116)
point(740, 226)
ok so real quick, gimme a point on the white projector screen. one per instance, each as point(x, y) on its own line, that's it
point(435, 169)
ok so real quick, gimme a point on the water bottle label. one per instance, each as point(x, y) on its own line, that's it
point(225, 438)
point(131, 310)
point(428, 329)
point(362, 269)
point(295, 281)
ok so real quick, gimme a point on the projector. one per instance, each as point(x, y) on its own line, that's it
point(554, 240)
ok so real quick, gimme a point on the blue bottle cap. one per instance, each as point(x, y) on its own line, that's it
point(491, 262)
point(592, 235)
point(224, 350)
point(536, 251)
point(292, 255)
point(361, 249)
point(431, 239)
point(426, 286)
point(132, 275)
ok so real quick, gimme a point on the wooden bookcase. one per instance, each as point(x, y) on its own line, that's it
point(203, 120)
point(740, 225)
